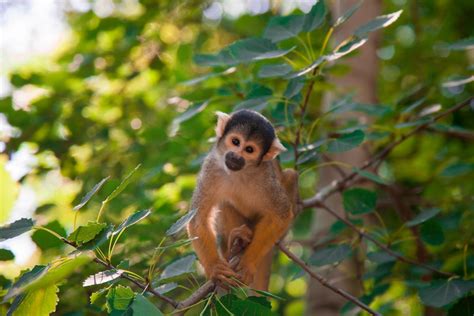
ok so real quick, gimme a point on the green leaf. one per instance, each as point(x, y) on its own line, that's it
point(119, 297)
point(314, 18)
point(6, 255)
point(44, 240)
point(41, 302)
point(89, 194)
point(250, 306)
point(23, 281)
point(359, 201)
point(369, 175)
point(254, 49)
point(16, 302)
point(423, 217)
point(256, 104)
point(98, 240)
point(59, 270)
point(293, 88)
point(443, 292)
point(380, 257)
point(102, 277)
point(414, 105)
point(268, 294)
point(377, 23)
point(431, 233)
point(457, 169)
point(343, 18)
point(86, 233)
point(122, 185)
point(464, 44)
point(177, 243)
point(346, 142)
point(273, 71)
point(348, 46)
point(412, 123)
point(308, 156)
point(330, 255)
point(16, 228)
point(177, 268)
point(142, 306)
point(97, 295)
point(308, 69)
point(458, 81)
point(283, 27)
point(44, 276)
point(181, 223)
point(165, 288)
point(188, 114)
point(199, 79)
point(132, 220)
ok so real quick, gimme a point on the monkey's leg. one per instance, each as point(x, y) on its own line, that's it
point(262, 275)
point(267, 232)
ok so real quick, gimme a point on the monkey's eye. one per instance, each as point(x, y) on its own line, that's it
point(235, 141)
point(249, 149)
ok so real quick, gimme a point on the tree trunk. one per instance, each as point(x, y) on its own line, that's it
point(362, 81)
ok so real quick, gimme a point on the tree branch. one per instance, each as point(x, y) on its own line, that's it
point(382, 246)
point(325, 282)
point(342, 183)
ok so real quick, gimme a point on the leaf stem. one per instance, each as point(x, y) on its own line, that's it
point(101, 210)
point(49, 231)
point(326, 41)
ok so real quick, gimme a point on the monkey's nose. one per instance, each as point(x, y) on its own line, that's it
point(234, 162)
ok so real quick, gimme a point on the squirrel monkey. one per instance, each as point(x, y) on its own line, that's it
point(242, 196)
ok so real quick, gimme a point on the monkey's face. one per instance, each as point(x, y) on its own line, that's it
point(240, 152)
point(245, 139)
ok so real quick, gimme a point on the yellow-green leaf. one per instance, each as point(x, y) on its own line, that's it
point(40, 302)
point(8, 193)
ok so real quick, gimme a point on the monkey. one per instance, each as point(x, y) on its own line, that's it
point(243, 200)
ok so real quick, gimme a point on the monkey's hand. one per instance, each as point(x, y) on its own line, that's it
point(238, 240)
point(222, 273)
point(246, 270)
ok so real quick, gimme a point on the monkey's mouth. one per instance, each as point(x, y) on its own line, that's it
point(235, 164)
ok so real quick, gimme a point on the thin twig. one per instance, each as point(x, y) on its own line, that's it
point(325, 282)
point(303, 108)
point(198, 295)
point(381, 245)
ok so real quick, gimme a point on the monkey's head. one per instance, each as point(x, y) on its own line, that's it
point(246, 138)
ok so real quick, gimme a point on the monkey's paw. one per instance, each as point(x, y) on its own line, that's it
point(223, 274)
point(247, 272)
point(239, 238)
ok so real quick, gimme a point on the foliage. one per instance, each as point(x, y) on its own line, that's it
point(128, 108)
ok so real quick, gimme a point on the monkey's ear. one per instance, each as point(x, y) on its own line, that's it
point(222, 119)
point(274, 150)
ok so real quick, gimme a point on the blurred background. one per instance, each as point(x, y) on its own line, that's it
point(93, 88)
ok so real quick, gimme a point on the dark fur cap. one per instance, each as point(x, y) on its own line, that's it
point(252, 125)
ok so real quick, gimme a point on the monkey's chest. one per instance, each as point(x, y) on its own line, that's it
point(249, 198)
